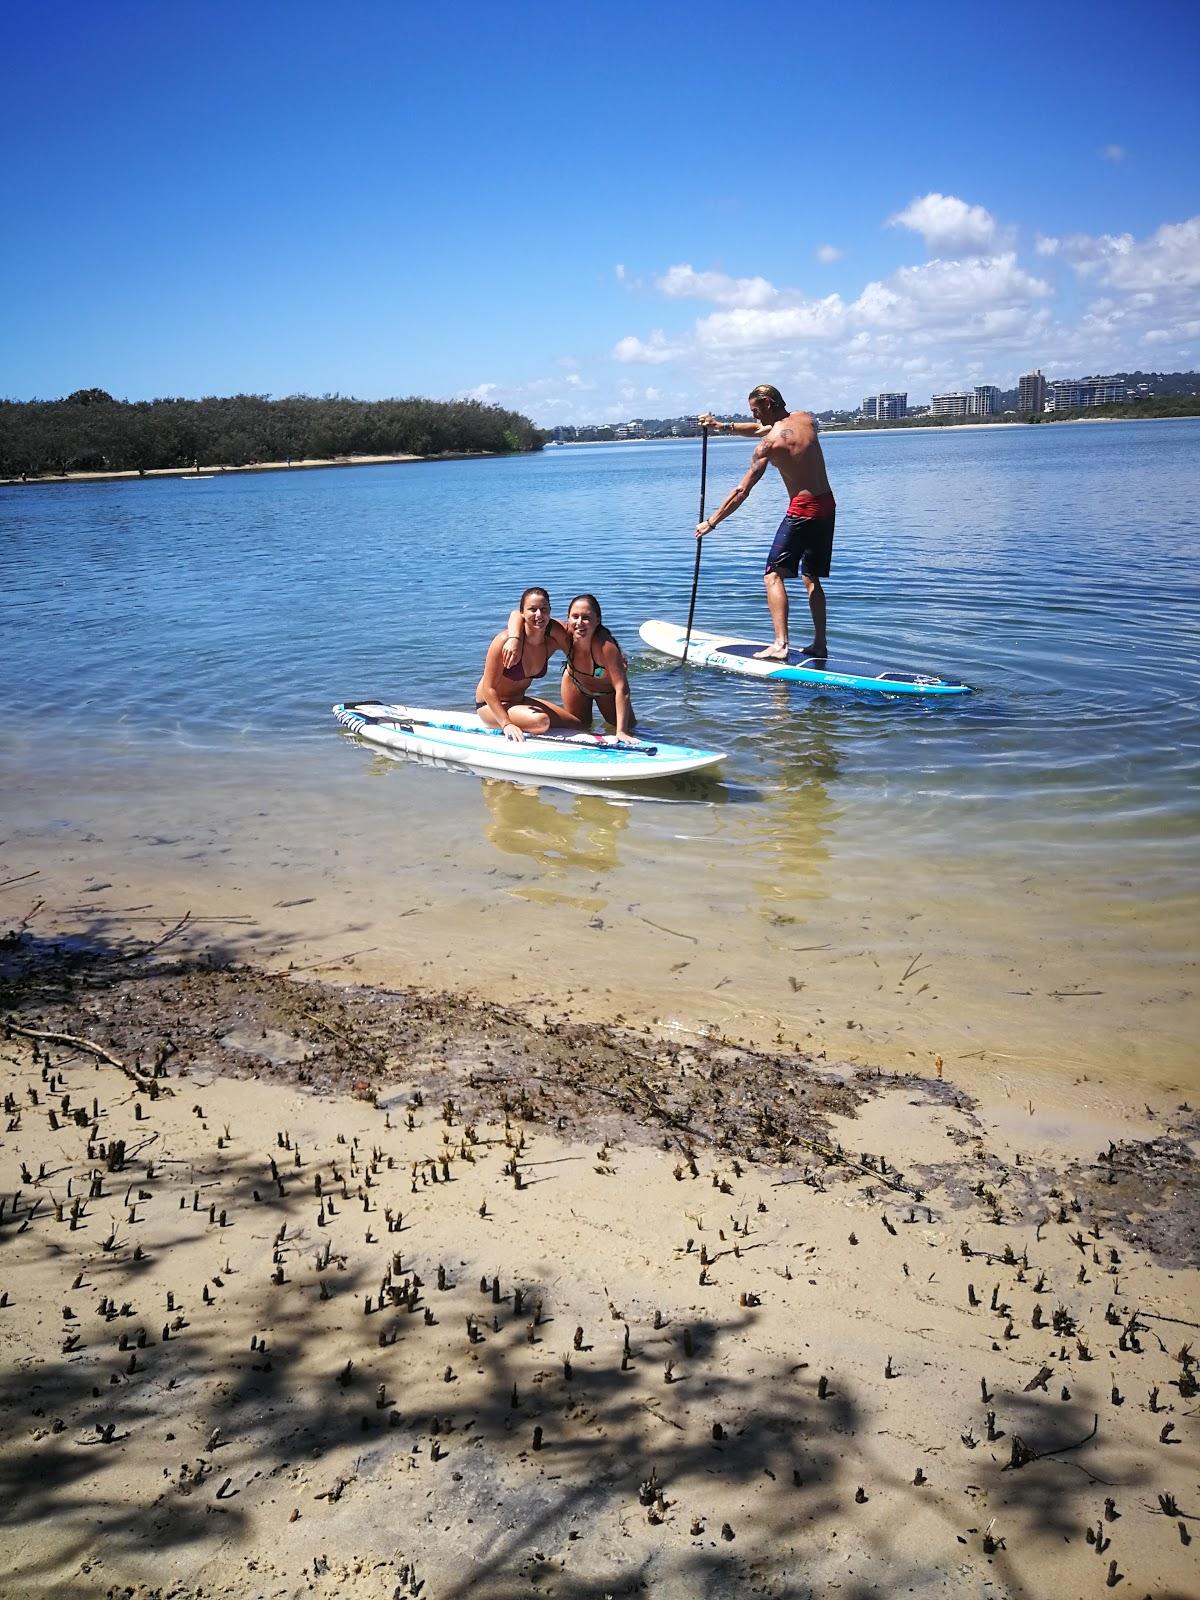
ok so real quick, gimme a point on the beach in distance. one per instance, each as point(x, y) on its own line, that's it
point(415, 1183)
point(298, 465)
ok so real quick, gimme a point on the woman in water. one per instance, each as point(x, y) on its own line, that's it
point(502, 696)
point(594, 676)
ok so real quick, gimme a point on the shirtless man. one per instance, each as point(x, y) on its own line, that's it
point(804, 543)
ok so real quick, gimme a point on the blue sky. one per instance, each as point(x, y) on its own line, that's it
point(591, 212)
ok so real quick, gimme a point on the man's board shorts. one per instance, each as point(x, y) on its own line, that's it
point(804, 542)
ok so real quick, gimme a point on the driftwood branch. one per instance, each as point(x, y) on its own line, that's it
point(1022, 1455)
point(1161, 1316)
point(80, 1044)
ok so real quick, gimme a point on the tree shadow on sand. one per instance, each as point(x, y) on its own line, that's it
point(393, 1402)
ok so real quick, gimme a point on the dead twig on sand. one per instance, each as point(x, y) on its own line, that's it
point(158, 943)
point(674, 932)
point(24, 878)
point(79, 1044)
point(1022, 1455)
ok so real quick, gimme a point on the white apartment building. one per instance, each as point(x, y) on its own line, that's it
point(1076, 394)
point(889, 406)
point(951, 405)
point(985, 402)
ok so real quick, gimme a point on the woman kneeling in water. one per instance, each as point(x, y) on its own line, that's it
point(594, 676)
point(502, 696)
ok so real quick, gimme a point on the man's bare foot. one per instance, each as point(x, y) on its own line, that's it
point(821, 651)
point(773, 652)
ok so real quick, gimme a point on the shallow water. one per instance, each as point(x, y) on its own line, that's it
point(1008, 878)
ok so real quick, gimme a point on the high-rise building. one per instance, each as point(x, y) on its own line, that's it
point(1077, 394)
point(870, 405)
point(951, 405)
point(891, 407)
point(1031, 392)
point(985, 402)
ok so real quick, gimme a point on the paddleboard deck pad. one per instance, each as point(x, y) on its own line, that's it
point(737, 655)
point(581, 757)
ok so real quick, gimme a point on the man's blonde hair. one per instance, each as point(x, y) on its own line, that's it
point(768, 391)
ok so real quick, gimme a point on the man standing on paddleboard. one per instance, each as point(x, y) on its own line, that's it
point(804, 543)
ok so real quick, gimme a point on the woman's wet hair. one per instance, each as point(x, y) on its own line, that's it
point(536, 589)
point(591, 600)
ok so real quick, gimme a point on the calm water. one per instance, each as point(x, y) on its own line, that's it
point(170, 651)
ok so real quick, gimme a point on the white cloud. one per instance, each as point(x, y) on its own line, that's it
point(655, 350)
point(946, 299)
point(1183, 334)
point(1168, 260)
point(947, 223)
point(949, 291)
point(828, 253)
point(485, 393)
point(619, 272)
point(1113, 152)
point(685, 283)
point(975, 311)
point(749, 329)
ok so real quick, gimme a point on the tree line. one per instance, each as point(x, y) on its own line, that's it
point(89, 431)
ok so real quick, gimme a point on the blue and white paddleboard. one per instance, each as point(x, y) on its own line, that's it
point(737, 655)
point(581, 757)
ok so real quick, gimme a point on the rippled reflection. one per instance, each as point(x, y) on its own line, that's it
point(557, 832)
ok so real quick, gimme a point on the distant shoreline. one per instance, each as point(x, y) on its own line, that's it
point(849, 428)
point(305, 464)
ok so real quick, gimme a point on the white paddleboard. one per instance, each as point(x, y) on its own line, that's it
point(731, 654)
point(581, 757)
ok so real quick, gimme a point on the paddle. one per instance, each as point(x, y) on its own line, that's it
point(700, 518)
point(584, 741)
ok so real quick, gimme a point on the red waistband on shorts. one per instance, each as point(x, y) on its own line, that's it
point(808, 505)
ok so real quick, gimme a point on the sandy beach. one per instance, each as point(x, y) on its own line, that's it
point(300, 464)
point(316, 1290)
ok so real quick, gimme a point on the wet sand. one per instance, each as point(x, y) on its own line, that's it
point(292, 856)
point(317, 1290)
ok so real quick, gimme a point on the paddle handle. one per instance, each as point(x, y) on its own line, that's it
point(700, 518)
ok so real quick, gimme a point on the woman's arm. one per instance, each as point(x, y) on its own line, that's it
point(514, 641)
point(490, 685)
point(614, 666)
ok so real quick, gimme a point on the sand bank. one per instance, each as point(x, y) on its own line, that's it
point(299, 465)
point(308, 1290)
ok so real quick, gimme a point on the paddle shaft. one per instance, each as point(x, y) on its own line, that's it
point(579, 740)
point(700, 518)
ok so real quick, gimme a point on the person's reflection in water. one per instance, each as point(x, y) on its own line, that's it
point(793, 844)
point(564, 834)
